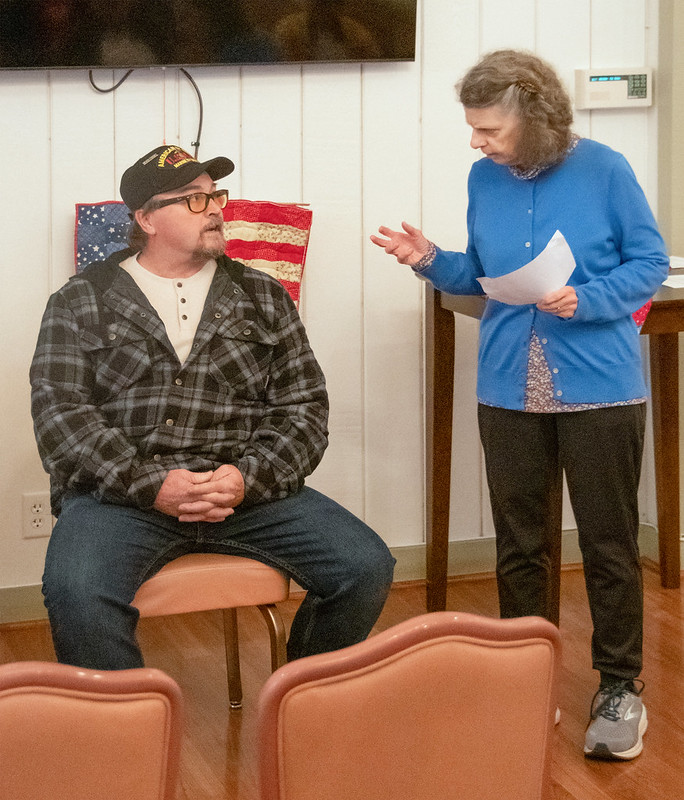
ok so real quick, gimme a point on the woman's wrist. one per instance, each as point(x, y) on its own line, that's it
point(425, 261)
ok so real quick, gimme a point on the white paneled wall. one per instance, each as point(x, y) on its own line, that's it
point(364, 145)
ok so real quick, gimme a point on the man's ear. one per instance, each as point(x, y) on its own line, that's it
point(144, 221)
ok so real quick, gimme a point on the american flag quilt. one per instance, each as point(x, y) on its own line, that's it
point(101, 229)
point(271, 237)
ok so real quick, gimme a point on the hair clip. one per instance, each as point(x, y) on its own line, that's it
point(527, 87)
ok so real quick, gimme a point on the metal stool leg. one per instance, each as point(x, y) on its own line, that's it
point(276, 631)
point(230, 632)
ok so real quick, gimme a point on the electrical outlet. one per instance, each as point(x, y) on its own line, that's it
point(36, 518)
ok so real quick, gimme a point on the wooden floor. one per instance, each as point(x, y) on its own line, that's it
point(218, 753)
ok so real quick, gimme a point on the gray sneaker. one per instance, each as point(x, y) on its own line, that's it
point(618, 722)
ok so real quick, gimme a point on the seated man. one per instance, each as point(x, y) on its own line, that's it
point(178, 408)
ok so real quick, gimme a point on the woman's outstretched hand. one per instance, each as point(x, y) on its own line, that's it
point(407, 246)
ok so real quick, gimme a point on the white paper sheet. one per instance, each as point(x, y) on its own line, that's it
point(549, 271)
point(675, 281)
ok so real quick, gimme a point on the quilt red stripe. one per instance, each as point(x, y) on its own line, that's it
point(269, 251)
point(292, 289)
point(272, 213)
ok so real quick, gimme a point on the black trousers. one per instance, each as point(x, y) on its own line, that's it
point(600, 451)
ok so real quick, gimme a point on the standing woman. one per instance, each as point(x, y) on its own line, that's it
point(560, 383)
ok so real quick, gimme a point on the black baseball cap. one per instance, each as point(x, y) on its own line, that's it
point(164, 169)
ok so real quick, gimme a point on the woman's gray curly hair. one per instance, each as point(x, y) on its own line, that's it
point(524, 84)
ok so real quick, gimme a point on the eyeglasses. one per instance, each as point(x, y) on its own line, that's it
point(198, 201)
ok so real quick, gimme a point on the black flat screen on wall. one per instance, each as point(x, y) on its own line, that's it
point(53, 34)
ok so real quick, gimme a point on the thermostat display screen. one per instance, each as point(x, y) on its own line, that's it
point(636, 84)
point(621, 87)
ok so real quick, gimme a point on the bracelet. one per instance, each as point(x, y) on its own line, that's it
point(427, 259)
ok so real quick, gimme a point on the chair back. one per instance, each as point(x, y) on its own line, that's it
point(444, 705)
point(68, 733)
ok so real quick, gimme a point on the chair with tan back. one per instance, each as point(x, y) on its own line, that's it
point(274, 238)
point(444, 705)
point(68, 733)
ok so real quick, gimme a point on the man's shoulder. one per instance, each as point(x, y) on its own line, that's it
point(97, 276)
point(82, 294)
point(102, 273)
point(258, 285)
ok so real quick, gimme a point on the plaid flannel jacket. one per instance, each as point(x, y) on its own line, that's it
point(114, 410)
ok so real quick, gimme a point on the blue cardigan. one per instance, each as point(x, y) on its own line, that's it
point(594, 199)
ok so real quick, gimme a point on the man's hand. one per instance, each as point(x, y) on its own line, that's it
point(407, 246)
point(201, 496)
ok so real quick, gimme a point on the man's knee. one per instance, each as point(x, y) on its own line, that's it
point(368, 570)
point(377, 567)
point(74, 595)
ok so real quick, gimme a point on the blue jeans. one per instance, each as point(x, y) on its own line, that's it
point(99, 554)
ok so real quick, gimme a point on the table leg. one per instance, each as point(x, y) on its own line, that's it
point(664, 352)
point(440, 353)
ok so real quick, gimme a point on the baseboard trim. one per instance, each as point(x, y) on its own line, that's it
point(466, 557)
point(21, 604)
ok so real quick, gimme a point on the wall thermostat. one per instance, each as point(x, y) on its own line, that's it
point(613, 88)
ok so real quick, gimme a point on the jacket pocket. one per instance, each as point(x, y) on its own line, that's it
point(119, 356)
point(240, 360)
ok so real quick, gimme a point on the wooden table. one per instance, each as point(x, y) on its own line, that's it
point(663, 324)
